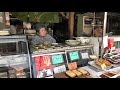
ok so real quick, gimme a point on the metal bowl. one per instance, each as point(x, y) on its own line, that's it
point(72, 42)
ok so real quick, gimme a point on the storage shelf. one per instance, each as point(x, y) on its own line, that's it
point(92, 25)
point(13, 37)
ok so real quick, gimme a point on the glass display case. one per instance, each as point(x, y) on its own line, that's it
point(54, 62)
point(14, 57)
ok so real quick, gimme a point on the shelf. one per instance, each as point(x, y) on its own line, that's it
point(11, 40)
point(92, 17)
point(13, 60)
point(92, 25)
point(13, 37)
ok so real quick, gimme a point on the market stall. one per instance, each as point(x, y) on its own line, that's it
point(77, 61)
point(78, 57)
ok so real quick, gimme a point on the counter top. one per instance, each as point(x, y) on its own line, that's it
point(60, 49)
point(116, 38)
point(94, 72)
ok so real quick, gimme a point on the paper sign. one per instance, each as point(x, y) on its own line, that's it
point(105, 41)
point(44, 73)
point(56, 70)
point(85, 55)
point(103, 66)
point(43, 66)
point(7, 15)
point(60, 69)
point(47, 60)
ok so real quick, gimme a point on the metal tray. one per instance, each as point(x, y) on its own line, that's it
point(100, 73)
point(92, 63)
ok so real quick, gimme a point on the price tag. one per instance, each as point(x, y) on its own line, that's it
point(56, 70)
point(63, 68)
point(85, 55)
point(46, 60)
point(103, 66)
point(72, 66)
point(60, 69)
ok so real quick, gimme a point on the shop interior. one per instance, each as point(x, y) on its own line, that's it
point(87, 45)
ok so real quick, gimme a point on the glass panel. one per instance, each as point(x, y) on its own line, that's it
point(13, 48)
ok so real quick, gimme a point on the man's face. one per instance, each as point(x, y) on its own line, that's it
point(42, 32)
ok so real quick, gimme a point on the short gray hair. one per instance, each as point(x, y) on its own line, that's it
point(40, 28)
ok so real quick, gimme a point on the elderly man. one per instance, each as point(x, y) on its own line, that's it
point(42, 37)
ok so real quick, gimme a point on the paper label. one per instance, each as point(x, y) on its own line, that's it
point(60, 69)
point(72, 66)
point(105, 41)
point(7, 15)
point(84, 55)
point(103, 66)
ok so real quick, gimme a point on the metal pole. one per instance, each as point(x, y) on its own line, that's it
point(93, 23)
point(30, 64)
point(105, 23)
point(104, 31)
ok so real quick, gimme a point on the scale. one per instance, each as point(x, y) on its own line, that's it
point(73, 56)
point(58, 63)
point(79, 56)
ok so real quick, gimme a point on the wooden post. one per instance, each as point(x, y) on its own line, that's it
point(4, 20)
point(71, 24)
